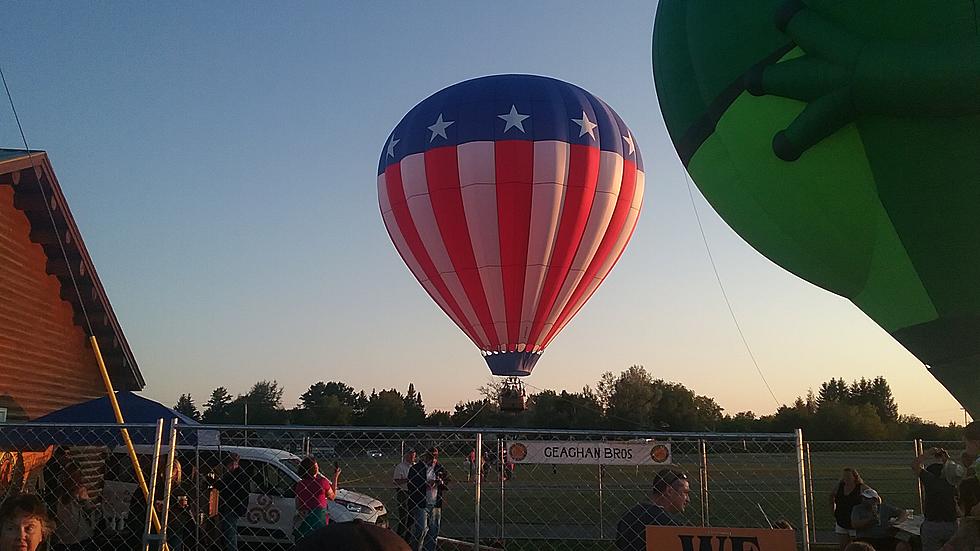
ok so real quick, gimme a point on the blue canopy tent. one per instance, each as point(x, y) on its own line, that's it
point(66, 425)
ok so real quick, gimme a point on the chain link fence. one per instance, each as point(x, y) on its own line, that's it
point(86, 478)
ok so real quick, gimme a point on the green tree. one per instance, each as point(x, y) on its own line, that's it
point(564, 410)
point(834, 390)
point(264, 403)
point(345, 394)
point(676, 408)
point(839, 421)
point(877, 393)
point(414, 407)
point(605, 389)
point(790, 418)
point(710, 413)
point(743, 421)
point(329, 411)
point(218, 407)
point(185, 405)
point(439, 418)
point(632, 399)
point(477, 413)
point(360, 403)
point(384, 409)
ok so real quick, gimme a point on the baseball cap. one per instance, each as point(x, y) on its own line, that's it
point(356, 535)
point(870, 493)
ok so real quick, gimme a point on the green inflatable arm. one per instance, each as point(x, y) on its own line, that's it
point(842, 76)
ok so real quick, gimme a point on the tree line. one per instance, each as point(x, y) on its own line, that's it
point(863, 409)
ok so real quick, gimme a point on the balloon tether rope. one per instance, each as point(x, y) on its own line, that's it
point(714, 267)
point(47, 204)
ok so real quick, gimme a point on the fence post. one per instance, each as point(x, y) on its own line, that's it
point(601, 516)
point(801, 470)
point(151, 491)
point(476, 491)
point(168, 485)
point(197, 491)
point(918, 450)
point(502, 467)
point(703, 452)
point(813, 511)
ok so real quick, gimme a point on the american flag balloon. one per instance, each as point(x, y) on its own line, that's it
point(510, 198)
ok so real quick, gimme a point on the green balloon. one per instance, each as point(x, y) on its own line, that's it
point(842, 141)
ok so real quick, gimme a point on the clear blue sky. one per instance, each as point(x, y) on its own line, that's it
point(220, 160)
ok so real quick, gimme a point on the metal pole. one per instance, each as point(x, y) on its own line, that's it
point(151, 493)
point(813, 512)
point(168, 485)
point(198, 516)
point(801, 470)
point(119, 419)
point(917, 450)
point(246, 423)
point(601, 516)
point(502, 468)
point(703, 468)
point(476, 491)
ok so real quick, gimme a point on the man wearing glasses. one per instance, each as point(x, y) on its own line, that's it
point(671, 495)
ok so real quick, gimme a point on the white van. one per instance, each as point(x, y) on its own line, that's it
point(271, 503)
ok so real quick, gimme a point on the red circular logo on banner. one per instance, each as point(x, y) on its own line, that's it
point(660, 453)
point(517, 452)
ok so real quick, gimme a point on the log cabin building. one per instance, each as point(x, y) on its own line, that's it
point(51, 299)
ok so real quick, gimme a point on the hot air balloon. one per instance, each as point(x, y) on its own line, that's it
point(840, 140)
point(510, 198)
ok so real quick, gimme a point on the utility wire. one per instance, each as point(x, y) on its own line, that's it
point(47, 206)
point(714, 267)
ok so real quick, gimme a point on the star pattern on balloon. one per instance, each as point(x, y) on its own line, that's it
point(585, 126)
point(439, 128)
point(628, 138)
point(513, 119)
point(391, 146)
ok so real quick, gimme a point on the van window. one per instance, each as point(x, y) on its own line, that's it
point(267, 479)
point(292, 465)
point(277, 482)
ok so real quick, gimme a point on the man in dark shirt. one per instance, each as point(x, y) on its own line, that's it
point(233, 488)
point(671, 495)
point(427, 480)
point(938, 499)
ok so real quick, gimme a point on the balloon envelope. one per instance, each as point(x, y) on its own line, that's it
point(840, 140)
point(510, 198)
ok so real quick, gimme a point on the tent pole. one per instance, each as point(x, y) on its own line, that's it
point(125, 432)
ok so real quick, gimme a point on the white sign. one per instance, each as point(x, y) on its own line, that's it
point(589, 453)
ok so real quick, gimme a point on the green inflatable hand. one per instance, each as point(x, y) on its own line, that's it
point(842, 141)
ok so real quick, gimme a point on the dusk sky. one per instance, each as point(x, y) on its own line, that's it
point(220, 160)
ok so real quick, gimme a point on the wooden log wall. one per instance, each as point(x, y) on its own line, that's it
point(36, 224)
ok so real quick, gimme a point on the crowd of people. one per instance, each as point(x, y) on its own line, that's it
point(950, 503)
point(864, 520)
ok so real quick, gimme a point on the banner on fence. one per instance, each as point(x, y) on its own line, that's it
point(589, 453)
point(692, 538)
